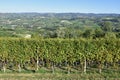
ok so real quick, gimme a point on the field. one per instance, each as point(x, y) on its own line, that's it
point(59, 59)
point(48, 76)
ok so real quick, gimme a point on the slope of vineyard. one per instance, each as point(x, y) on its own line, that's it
point(80, 54)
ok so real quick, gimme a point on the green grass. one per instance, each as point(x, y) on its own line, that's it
point(60, 74)
point(49, 76)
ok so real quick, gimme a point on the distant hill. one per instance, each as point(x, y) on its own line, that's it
point(58, 15)
point(50, 24)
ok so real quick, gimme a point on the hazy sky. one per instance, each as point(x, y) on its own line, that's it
point(81, 6)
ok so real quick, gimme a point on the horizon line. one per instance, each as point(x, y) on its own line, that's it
point(61, 12)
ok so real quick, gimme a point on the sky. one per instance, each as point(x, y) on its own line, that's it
point(60, 6)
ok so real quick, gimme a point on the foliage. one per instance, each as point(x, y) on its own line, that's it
point(58, 52)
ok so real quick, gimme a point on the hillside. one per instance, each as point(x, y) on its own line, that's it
point(54, 24)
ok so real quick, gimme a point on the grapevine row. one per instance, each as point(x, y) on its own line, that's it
point(51, 53)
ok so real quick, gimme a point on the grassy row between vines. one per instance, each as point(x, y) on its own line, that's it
point(48, 76)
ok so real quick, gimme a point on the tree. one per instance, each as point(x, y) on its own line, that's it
point(106, 26)
point(88, 33)
point(99, 33)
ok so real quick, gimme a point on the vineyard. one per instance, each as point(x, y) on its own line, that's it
point(68, 54)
